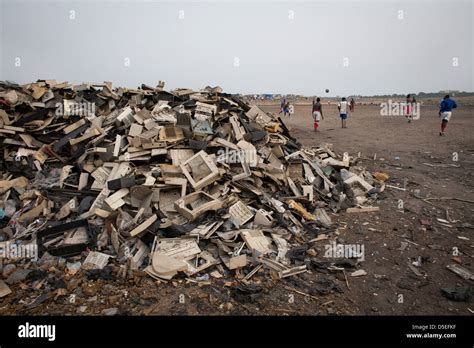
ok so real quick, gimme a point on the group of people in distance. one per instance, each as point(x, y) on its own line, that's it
point(285, 107)
point(445, 110)
point(343, 106)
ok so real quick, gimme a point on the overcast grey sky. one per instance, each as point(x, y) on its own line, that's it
point(302, 47)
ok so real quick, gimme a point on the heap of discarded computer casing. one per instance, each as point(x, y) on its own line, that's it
point(165, 182)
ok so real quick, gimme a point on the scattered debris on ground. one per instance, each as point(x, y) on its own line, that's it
point(112, 184)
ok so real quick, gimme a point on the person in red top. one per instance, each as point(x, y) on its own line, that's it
point(317, 113)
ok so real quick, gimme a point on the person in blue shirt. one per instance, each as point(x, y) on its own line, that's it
point(445, 111)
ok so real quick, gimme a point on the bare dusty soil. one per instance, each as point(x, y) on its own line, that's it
point(393, 238)
point(400, 149)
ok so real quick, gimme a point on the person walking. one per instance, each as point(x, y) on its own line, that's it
point(352, 105)
point(343, 106)
point(445, 112)
point(414, 109)
point(282, 106)
point(317, 113)
point(408, 109)
point(286, 109)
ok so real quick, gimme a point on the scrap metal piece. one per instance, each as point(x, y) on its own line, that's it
point(66, 250)
point(240, 214)
point(200, 170)
point(196, 204)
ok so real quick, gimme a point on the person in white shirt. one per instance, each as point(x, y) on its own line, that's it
point(343, 106)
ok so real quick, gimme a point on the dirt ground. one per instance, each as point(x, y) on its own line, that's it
point(393, 238)
point(400, 149)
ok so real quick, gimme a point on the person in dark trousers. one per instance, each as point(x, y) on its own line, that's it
point(445, 111)
point(282, 106)
point(317, 113)
point(286, 109)
point(408, 109)
point(352, 105)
